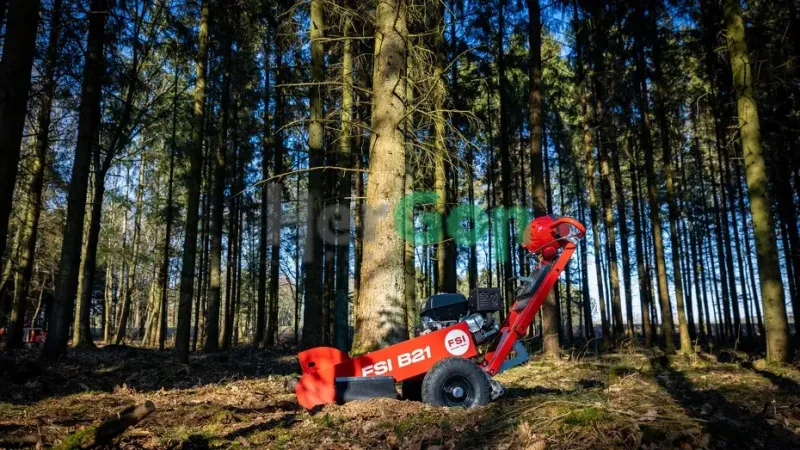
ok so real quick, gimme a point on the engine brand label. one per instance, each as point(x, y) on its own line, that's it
point(456, 342)
point(410, 358)
point(403, 359)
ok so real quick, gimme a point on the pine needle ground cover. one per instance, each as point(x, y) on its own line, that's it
point(238, 399)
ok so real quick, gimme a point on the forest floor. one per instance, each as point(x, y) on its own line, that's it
point(237, 399)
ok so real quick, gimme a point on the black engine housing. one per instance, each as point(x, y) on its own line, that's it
point(445, 307)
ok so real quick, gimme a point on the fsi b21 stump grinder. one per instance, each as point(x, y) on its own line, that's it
point(460, 346)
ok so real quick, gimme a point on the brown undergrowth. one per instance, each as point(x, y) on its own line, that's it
point(237, 399)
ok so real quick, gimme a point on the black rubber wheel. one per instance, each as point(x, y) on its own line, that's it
point(412, 390)
point(456, 382)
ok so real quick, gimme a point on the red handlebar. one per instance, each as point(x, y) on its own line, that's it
point(570, 221)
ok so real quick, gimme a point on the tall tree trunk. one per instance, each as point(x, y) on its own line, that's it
point(409, 270)
point(277, 208)
point(605, 145)
point(689, 280)
point(775, 321)
point(697, 244)
point(234, 229)
point(133, 266)
point(81, 331)
point(588, 327)
point(33, 209)
point(202, 273)
point(15, 86)
point(193, 181)
point(622, 217)
point(504, 231)
point(313, 320)
point(109, 301)
point(267, 148)
point(788, 214)
point(733, 180)
point(666, 158)
point(550, 315)
point(653, 201)
point(211, 343)
point(88, 124)
point(342, 301)
point(445, 249)
point(643, 274)
point(588, 150)
point(382, 278)
point(164, 271)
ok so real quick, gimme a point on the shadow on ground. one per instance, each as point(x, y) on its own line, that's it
point(25, 380)
point(728, 422)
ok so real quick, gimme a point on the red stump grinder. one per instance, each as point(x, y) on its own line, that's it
point(460, 347)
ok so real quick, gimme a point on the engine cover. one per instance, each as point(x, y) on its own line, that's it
point(443, 307)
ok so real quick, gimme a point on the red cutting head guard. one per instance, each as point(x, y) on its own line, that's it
point(542, 238)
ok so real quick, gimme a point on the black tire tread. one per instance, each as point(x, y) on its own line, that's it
point(431, 388)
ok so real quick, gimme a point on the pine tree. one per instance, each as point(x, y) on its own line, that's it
point(776, 323)
point(380, 302)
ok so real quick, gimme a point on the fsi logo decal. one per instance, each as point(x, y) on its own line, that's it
point(456, 342)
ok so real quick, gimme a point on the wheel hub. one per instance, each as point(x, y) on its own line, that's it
point(457, 391)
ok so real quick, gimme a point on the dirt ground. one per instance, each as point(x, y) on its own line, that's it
point(237, 399)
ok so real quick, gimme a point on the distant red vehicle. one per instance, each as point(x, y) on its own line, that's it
point(29, 335)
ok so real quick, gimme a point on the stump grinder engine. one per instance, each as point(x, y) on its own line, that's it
point(460, 346)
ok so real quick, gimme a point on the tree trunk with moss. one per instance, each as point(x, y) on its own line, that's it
point(775, 320)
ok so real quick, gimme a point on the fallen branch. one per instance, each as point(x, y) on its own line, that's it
point(110, 428)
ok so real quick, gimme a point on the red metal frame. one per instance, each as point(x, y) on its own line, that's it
point(321, 366)
point(517, 323)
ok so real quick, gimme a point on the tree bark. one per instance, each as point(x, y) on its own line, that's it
point(382, 277)
point(342, 302)
point(622, 217)
point(211, 343)
point(660, 94)
point(314, 332)
point(444, 246)
point(653, 201)
point(645, 289)
point(33, 209)
point(586, 119)
point(88, 124)
point(164, 271)
point(15, 86)
point(267, 149)
point(109, 302)
point(277, 208)
point(193, 181)
point(775, 321)
point(503, 225)
point(81, 331)
point(550, 313)
point(133, 265)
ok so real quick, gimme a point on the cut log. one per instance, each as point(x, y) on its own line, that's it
point(112, 427)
